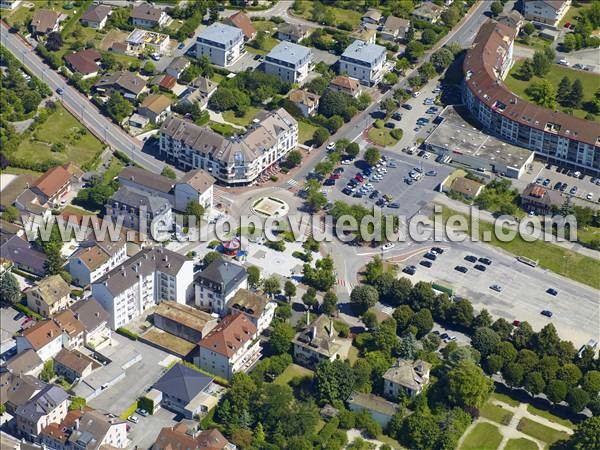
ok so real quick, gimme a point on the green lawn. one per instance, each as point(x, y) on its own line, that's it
point(520, 444)
point(587, 234)
point(78, 211)
point(551, 417)
point(115, 166)
point(264, 25)
point(573, 12)
point(381, 136)
point(80, 146)
point(217, 77)
point(590, 82)
point(534, 42)
point(21, 13)
point(291, 372)
point(352, 355)
point(505, 398)
point(270, 42)
point(243, 121)
point(484, 436)
point(496, 413)
point(305, 132)
point(549, 256)
point(340, 14)
point(224, 129)
point(539, 431)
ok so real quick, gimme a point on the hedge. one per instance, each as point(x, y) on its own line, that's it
point(29, 312)
point(128, 334)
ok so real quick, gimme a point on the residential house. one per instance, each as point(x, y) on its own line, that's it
point(243, 22)
point(155, 107)
point(368, 35)
point(183, 321)
point(186, 391)
point(320, 341)
point(96, 16)
point(142, 180)
point(218, 283)
point(378, 408)
point(394, 28)
point(428, 12)
point(371, 17)
point(259, 309)
point(146, 279)
point(541, 200)
point(94, 319)
point(178, 66)
point(140, 41)
point(546, 12)
point(363, 61)
point(306, 101)
point(25, 363)
point(466, 187)
point(46, 407)
point(233, 161)
point(406, 376)
point(223, 44)
point(10, 4)
point(74, 365)
point(138, 121)
point(165, 82)
point(182, 436)
point(84, 62)
point(195, 186)
point(73, 330)
point(131, 205)
point(45, 21)
point(231, 347)
point(126, 83)
point(346, 85)
point(49, 295)
point(23, 255)
point(148, 16)
point(288, 61)
point(513, 19)
point(200, 91)
point(53, 185)
point(95, 259)
point(17, 389)
point(292, 32)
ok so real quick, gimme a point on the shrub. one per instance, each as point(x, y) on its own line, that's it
point(379, 123)
point(274, 178)
point(214, 243)
point(128, 334)
point(396, 133)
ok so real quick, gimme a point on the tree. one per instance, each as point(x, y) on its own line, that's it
point(320, 136)
point(10, 214)
point(149, 68)
point(576, 94)
point(271, 286)
point(47, 372)
point(108, 61)
point(293, 158)
point(352, 150)
point(407, 348)
point(427, 71)
point(420, 430)
point(529, 28)
point(414, 50)
point(556, 390)
point(591, 382)
point(372, 156)
point(587, 434)
point(402, 64)
point(330, 300)
point(569, 373)
point(428, 36)
point(485, 340)
point(363, 298)
point(253, 276)
point(564, 89)
point(451, 16)
point(541, 64)
point(577, 399)
point(494, 364)
point(526, 70)
point(390, 78)
point(9, 288)
point(54, 41)
point(523, 335)
point(542, 93)
point(513, 374)
point(333, 380)
point(118, 107)
point(547, 341)
point(369, 319)
point(169, 173)
point(402, 315)
point(483, 319)
point(534, 383)
point(467, 385)
point(309, 298)
point(289, 289)
point(496, 8)
point(569, 42)
point(281, 338)
point(422, 321)
point(442, 59)
point(195, 209)
point(77, 403)
point(210, 257)
point(461, 313)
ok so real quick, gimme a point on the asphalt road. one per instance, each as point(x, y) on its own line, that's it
point(78, 104)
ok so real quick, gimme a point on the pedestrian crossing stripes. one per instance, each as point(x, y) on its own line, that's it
point(343, 283)
point(291, 183)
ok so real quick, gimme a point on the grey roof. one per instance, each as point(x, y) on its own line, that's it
point(293, 29)
point(136, 199)
point(221, 33)
point(373, 402)
point(147, 179)
point(179, 63)
point(18, 389)
point(90, 313)
point(43, 403)
point(22, 252)
point(363, 51)
point(204, 85)
point(92, 430)
point(289, 52)
point(124, 79)
point(24, 362)
point(182, 382)
point(225, 273)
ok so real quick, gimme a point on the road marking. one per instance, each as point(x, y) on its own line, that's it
point(292, 183)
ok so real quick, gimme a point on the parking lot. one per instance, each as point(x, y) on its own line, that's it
point(576, 308)
point(143, 434)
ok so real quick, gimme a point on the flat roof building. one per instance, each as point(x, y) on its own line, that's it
point(223, 44)
point(288, 61)
point(363, 61)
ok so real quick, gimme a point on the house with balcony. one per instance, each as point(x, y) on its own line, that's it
point(95, 259)
point(320, 341)
point(289, 61)
point(258, 308)
point(364, 62)
point(133, 206)
point(95, 322)
point(148, 16)
point(545, 12)
point(223, 44)
point(216, 285)
point(47, 406)
point(406, 376)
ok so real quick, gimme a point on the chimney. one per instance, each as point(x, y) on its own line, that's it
point(331, 328)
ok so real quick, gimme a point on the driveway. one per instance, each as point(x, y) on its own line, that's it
point(144, 433)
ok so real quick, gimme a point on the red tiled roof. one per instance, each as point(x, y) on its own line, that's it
point(168, 82)
point(42, 333)
point(241, 21)
point(51, 182)
point(229, 335)
point(84, 62)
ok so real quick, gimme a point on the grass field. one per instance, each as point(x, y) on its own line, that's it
point(551, 417)
point(381, 136)
point(484, 436)
point(80, 146)
point(292, 372)
point(270, 42)
point(520, 444)
point(496, 413)
point(573, 12)
point(243, 121)
point(587, 234)
point(539, 431)
point(264, 25)
point(505, 398)
point(341, 15)
point(305, 132)
point(590, 82)
point(549, 256)
point(224, 129)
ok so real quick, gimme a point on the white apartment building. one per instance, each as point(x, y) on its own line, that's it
point(257, 308)
point(230, 347)
point(223, 44)
point(289, 61)
point(93, 261)
point(364, 62)
point(216, 285)
point(547, 12)
point(233, 161)
point(153, 275)
point(45, 338)
point(195, 186)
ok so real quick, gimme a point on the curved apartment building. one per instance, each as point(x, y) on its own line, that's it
point(556, 136)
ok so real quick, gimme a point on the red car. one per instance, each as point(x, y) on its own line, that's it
point(516, 323)
point(336, 176)
point(26, 321)
point(567, 25)
point(359, 178)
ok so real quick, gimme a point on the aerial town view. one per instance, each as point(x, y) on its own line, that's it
point(299, 225)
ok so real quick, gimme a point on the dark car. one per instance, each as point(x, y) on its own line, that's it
point(438, 250)
point(358, 194)
point(563, 188)
point(407, 106)
point(552, 291)
point(346, 191)
point(486, 261)
point(471, 258)
point(444, 336)
point(390, 125)
point(480, 267)
point(557, 186)
point(373, 195)
point(546, 313)
point(180, 46)
point(397, 115)
point(410, 270)
point(461, 269)
point(19, 316)
point(394, 205)
point(426, 263)
point(430, 256)
point(257, 57)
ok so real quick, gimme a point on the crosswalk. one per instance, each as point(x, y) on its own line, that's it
point(345, 284)
point(292, 183)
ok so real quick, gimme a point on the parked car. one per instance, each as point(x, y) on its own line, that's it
point(133, 419)
point(394, 205)
point(388, 246)
point(416, 94)
point(397, 115)
point(486, 261)
point(410, 270)
point(471, 258)
point(437, 250)
point(426, 263)
point(480, 267)
point(142, 412)
point(573, 190)
point(407, 106)
point(430, 256)
point(552, 291)
point(516, 323)
point(60, 91)
point(496, 287)
point(546, 312)
point(331, 146)
point(461, 269)
point(431, 173)
point(390, 125)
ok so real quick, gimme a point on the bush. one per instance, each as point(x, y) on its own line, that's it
point(25, 310)
point(397, 133)
point(128, 334)
point(214, 243)
point(379, 123)
point(274, 178)
point(278, 246)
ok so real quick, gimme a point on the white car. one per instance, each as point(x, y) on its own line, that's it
point(345, 162)
point(589, 196)
point(416, 94)
point(331, 146)
point(388, 246)
point(563, 62)
point(155, 56)
point(133, 419)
